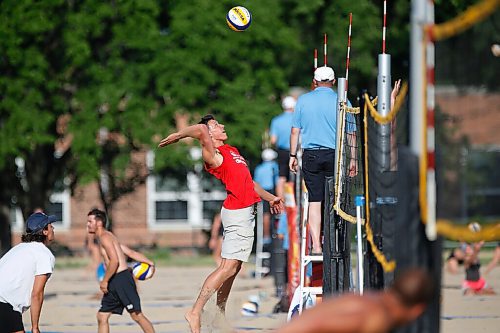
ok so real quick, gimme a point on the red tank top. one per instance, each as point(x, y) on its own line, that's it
point(234, 174)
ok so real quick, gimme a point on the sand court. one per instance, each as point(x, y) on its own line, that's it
point(72, 302)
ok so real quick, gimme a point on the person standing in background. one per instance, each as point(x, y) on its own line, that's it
point(216, 236)
point(118, 284)
point(281, 126)
point(316, 121)
point(266, 174)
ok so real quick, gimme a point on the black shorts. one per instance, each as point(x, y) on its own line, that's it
point(316, 165)
point(10, 320)
point(283, 161)
point(122, 293)
point(266, 207)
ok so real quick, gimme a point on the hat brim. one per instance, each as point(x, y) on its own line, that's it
point(51, 219)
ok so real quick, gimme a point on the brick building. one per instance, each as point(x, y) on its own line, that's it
point(173, 213)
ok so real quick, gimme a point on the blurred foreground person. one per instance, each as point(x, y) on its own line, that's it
point(373, 312)
point(24, 271)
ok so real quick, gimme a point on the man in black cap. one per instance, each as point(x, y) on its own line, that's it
point(24, 271)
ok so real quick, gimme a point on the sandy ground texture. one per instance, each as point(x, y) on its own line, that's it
point(71, 304)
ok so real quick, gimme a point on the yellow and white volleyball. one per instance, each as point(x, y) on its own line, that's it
point(474, 227)
point(249, 309)
point(142, 271)
point(238, 18)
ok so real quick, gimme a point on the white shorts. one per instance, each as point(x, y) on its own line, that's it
point(238, 232)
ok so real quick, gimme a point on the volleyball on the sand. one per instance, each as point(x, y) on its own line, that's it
point(238, 18)
point(142, 271)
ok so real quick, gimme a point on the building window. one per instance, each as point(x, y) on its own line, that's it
point(171, 210)
point(59, 206)
point(181, 199)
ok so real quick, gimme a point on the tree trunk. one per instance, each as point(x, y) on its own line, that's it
point(5, 230)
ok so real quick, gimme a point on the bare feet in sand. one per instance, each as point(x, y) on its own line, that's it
point(194, 321)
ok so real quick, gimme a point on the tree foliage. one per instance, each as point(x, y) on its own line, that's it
point(117, 72)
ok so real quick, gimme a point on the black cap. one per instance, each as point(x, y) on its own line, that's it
point(38, 221)
point(206, 118)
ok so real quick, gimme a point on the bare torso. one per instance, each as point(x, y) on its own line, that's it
point(122, 259)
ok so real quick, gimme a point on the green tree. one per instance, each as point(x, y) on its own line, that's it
point(32, 98)
point(113, 53)
point(238, 76)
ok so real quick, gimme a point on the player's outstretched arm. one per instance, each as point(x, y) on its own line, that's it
point(37, 300)
point(199, 132)
point(194, 131)
point(395, 92)
point(275, 202)
point(135, 255)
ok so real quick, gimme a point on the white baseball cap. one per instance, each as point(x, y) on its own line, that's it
point(268, 154)
point(324, 73)
point(288, 103)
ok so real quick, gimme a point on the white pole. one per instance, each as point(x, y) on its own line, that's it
point(259, 271)
point(418, 21)
point(360, 202)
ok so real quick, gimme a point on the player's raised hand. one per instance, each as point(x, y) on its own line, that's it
point(172, 138)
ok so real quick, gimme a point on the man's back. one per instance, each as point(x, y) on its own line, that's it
point(315, 115)
point(346, 313)
point(280, 128)
point(266, 174)
point(18, 268)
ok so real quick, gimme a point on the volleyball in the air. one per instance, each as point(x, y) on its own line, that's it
point(142, 271)
point(238, 18)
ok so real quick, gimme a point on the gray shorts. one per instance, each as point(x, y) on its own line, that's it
point(238, 232)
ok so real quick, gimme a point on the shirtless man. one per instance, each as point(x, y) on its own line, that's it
point(118, 284)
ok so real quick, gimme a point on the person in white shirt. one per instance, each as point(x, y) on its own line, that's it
point(24, 271)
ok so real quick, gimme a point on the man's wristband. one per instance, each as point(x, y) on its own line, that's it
point(293, 155)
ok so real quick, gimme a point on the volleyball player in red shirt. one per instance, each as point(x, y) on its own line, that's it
point(237, 213)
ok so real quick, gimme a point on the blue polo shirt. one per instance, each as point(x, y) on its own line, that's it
point(266, 174)
point(280, 127)
point(315, 115)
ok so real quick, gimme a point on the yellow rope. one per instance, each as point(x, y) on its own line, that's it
point(347, 217)
point(462, 233)
point(394, 111)
point(352, 110)
point(387, 266)
point(465, 20)
point(344, 215)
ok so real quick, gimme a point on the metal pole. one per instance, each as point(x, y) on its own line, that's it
point(360, 202)
point(340, 120)
point(383, 108)
point(259, 271)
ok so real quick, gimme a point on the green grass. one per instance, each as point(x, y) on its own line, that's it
point(161, 257)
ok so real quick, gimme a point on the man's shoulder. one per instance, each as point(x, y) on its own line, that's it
point(107, 236)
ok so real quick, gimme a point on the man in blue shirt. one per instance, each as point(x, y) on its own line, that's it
point(315, 119)
point(280, 138)
point(266, 175)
